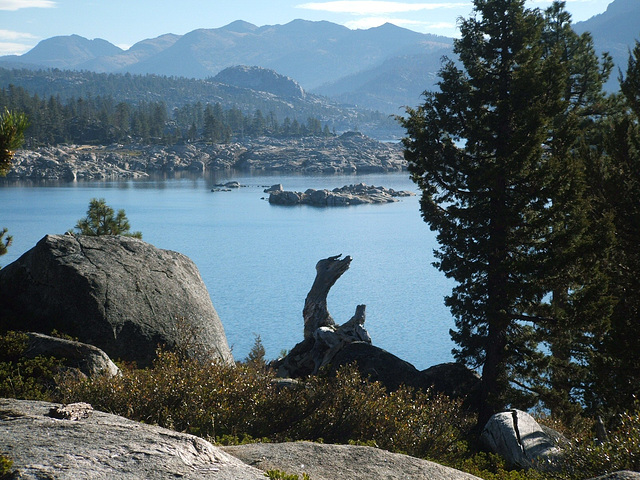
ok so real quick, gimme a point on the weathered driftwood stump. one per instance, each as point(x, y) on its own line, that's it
point(323, 339)
point(315, 312)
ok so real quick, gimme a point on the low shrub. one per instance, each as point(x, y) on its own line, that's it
point(25, 378)
point(586, 458)
point(280, 475)
point(227, 403)
point(6, 466)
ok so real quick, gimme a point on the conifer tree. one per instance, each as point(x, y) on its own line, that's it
point(615, 372)
point(101, 219)
point(477, 149)
point(12, 127)
point(579, 236)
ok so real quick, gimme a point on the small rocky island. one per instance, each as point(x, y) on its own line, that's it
point(344, 196)
point(351, 152)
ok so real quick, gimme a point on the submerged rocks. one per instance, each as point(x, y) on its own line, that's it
point(348, 195)
point(118, 293)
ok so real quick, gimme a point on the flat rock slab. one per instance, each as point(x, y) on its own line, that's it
point(104, 446)
point(346, 462)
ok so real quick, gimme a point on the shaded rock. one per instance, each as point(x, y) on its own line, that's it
point(518, 438)
point(102, 446)
point(88, 359)
point(274, 188)
point(118, 293)
point(346, 462)
point(379, 365)
point(452, 379)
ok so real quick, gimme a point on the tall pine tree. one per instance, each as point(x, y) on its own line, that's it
point(477, 150)
point(615, 372)
point(578, 236)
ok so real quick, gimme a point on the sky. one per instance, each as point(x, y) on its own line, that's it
point(23, 23)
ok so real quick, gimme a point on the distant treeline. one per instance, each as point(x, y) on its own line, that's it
point(176, 92)
point(103, 120)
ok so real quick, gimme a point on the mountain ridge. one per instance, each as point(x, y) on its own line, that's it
point(312, 53)
point(381, 68)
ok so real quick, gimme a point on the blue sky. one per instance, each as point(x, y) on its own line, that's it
point(23, 23)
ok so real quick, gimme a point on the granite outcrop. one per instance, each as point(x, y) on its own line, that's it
point(343, 196)
point(118, 293)
point(350, 152)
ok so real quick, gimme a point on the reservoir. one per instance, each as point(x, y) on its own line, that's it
point(258, 260)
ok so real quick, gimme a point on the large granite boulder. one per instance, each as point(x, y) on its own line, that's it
point(346, 462)
point(519, 439)
point(46, 441)
point(87, 359)
point(118, 293)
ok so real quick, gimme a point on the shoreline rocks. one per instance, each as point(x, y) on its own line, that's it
point(338, 197)
point(350, 152)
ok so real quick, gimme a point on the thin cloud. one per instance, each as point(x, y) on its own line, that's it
point(13, 36)
point(372, 22)
point(14, 5)
point(373, 7)
point(10, 48)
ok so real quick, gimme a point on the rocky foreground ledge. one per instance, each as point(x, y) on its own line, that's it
point(350, 152)
point(46, 440)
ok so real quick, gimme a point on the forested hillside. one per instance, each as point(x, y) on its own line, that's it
point(143, 92)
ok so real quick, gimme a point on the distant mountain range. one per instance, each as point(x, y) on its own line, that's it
point(381, 68)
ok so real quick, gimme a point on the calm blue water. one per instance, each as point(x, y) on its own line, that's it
point(258, 260)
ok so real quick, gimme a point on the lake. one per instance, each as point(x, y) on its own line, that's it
point(258, 260)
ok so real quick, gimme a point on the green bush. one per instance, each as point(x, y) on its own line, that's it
point(280, 475)
point(586, 458)
point(25, 378)
point(6, 466)
point(490, 466)
point(240, 403)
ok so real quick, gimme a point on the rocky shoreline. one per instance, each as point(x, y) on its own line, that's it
point(350, 152)
point(344, 196)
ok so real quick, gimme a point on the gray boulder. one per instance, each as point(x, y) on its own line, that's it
point(118, 293)
point(346, 462)
point(520, 440)
point(88, 359)
point(622, 475)
point(47, 441)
